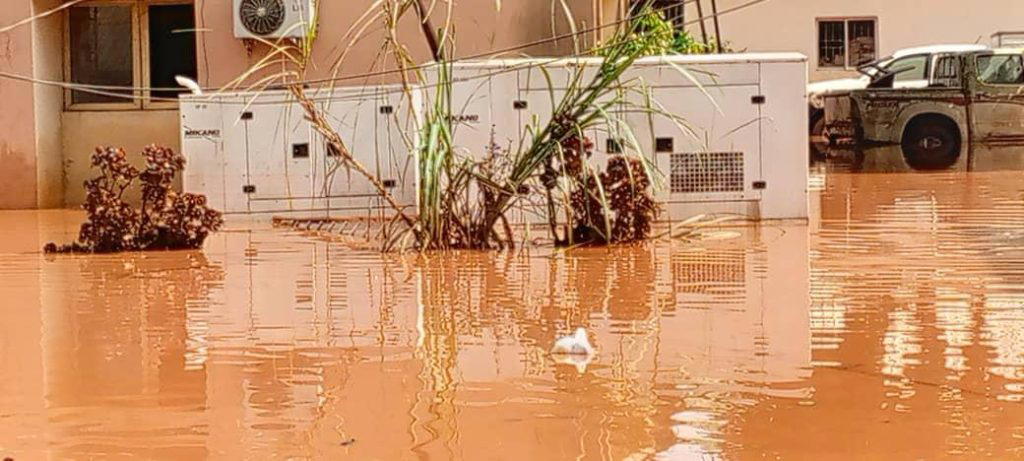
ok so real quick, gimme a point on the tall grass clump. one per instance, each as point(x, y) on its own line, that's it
point(466, 200)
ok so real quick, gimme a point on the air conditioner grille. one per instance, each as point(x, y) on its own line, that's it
point(262, 17)
point(706, 172)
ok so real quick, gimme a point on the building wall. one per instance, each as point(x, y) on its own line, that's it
point(790, 25)
point(47, 53)
point(18, 181)
point(45, 149)
point(83, 131)
point(479, 27)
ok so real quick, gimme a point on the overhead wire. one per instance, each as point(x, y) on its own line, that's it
point(380, 73)
point(115, 91)
point(530, 63)
point(34, 18)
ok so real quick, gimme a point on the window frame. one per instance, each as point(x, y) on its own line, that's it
point(846, 39)
point(141, 59)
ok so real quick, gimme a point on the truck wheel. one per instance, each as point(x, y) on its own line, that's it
point(931, 142)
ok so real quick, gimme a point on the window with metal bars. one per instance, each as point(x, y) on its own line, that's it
point(861, 37)
point(847, 43)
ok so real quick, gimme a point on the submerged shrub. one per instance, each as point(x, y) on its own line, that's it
point(615, 206)
point(466, 201)
point(170, 219)
point(628, 188)
point(167, 219)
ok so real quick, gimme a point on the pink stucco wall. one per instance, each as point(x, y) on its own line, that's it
point(31, 176)
point(479, 28)
point(17, 123)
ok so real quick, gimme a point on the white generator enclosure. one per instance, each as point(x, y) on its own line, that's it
point(736, 142)
point(258, 153)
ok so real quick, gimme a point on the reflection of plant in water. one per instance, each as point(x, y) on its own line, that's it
point(463, 294)
point(140, 334)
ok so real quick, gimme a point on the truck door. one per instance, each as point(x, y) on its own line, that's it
point(884, 113)
point(997, 112)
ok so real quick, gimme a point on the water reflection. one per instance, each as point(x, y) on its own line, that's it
point(897, 308)
point(910, 263)
point(896, 159)
point(285, 346)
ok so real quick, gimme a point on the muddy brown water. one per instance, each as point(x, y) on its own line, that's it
point(891, 326)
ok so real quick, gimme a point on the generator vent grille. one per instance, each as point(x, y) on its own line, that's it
point(704, 172)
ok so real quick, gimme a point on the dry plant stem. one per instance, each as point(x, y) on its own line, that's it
point(324, 128)
point(428, 30)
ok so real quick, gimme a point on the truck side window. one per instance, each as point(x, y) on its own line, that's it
point(910, 68)
point(1001, 69)
point(947, 72)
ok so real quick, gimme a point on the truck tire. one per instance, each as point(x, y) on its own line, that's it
point(931, 142)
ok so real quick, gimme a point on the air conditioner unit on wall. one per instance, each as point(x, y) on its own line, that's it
point(272, 19)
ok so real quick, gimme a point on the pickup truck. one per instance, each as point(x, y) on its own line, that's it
point(973, 97)
point(920, 59)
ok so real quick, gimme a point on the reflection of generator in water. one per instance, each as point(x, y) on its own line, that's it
point(253, 153)
point(739, 143)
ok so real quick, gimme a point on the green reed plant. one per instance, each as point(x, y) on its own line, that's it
point(464, 201)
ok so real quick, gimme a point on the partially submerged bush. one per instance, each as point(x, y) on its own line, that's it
point(167, 220)
point(630, 207)
point(615, 206)
point(465, 201)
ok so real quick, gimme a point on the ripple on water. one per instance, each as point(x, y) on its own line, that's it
point(898, 307)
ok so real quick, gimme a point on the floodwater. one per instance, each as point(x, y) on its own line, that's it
point(891, 326)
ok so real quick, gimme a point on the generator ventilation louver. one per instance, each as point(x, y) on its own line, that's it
point(270, 19)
